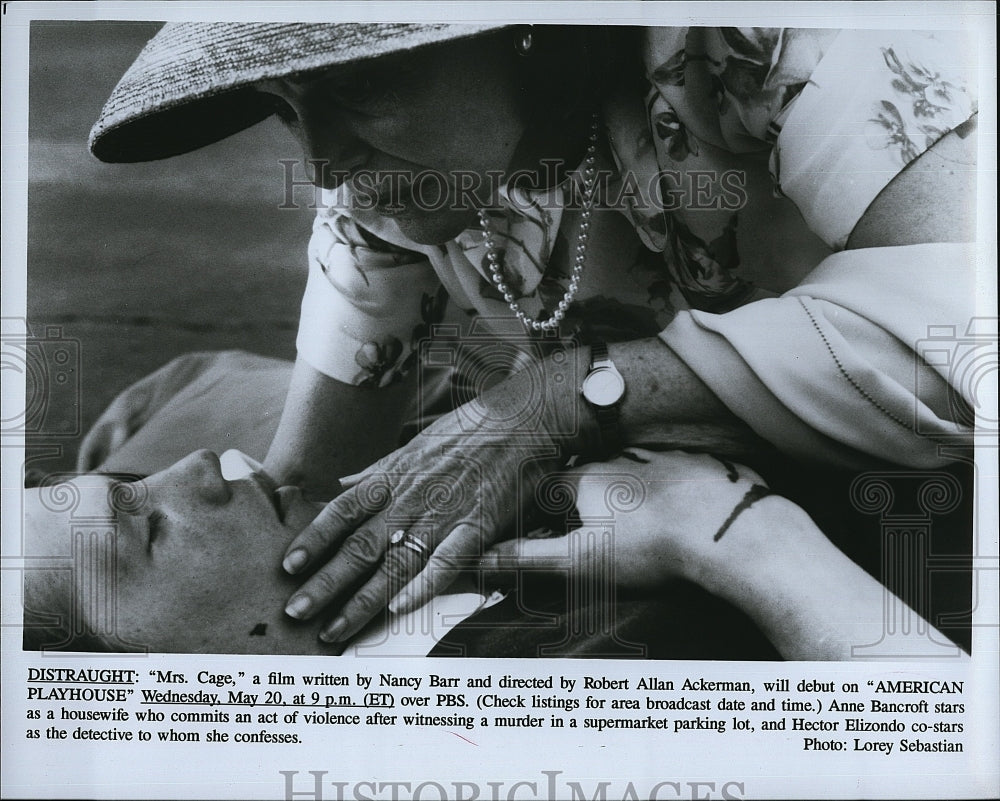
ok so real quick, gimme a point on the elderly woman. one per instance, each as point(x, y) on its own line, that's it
point(763, 223)
point(191, 559)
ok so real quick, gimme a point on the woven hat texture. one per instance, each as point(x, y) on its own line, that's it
point(190, 86)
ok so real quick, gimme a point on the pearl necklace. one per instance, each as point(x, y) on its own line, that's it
point(589, 182)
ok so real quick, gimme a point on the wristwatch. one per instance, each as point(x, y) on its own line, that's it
point(603, 388)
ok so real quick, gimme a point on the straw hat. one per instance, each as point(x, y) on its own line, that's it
point(190, 86)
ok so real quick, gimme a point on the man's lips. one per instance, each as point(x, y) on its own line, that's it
point(269, 490)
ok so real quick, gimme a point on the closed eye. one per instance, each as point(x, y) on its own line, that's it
point(357, 92)
point(362, 91)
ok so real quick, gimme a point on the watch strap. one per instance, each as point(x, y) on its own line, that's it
point(599, 354)
point(609, 433)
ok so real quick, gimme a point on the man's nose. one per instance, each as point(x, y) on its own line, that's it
point(201, 473)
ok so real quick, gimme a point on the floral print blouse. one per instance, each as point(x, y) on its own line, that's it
point(746, 164)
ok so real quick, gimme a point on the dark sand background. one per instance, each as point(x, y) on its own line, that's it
point(143, 262)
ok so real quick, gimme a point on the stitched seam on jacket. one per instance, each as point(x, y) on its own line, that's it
point(860, 390)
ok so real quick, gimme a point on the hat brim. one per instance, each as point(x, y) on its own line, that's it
point(192, 83)
point(171, 131)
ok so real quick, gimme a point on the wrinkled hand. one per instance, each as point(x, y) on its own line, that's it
point(673, 511)
point(404, 528)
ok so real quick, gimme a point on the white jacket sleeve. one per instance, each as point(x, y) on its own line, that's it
point(834, 370)
point(362, 307)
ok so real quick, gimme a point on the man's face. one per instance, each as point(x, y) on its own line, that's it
point(183, 561)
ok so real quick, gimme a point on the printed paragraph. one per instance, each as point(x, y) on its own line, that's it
point(880, 716)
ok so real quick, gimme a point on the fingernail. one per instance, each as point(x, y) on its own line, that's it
point(333, 632)
point(298, 606)
point(295, 561)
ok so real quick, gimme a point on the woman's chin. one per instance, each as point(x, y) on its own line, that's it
point(434, 228)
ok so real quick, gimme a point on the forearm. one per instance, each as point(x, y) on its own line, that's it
point(809, 599)
point(329, 429)
point(665, 405)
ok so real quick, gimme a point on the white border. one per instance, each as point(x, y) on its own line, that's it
point(44, 771)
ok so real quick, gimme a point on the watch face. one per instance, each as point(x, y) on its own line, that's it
point(603, 387)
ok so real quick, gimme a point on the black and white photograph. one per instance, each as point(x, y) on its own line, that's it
point(629, 372)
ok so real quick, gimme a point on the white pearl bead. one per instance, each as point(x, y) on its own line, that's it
point(493, 258)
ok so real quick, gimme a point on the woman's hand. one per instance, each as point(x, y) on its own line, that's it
point(403, 529)
point(679, 511)
point(462, 483)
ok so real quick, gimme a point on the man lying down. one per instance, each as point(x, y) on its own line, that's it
point(187, 560)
